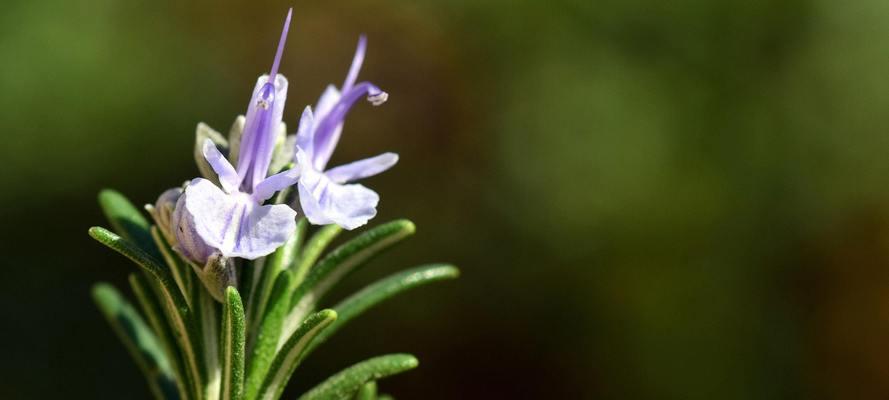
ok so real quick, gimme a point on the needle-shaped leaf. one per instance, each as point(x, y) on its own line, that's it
point(368, 391)
point(339, 263)
point(207, 314)
point(268, 272)
point(346, 383)
point(232, 340)
point(312, 250)
point(144, 260)
point(269, 332)
point(179, 269)
point(290, 355)
point(382, 290)
point(139, 340)
point(177, 310)
point(153, 310)
point(127, 220)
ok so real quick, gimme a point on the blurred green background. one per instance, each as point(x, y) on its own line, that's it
point(648, 200)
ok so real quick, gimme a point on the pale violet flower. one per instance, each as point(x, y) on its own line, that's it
point(327, 196)
point(232, 220)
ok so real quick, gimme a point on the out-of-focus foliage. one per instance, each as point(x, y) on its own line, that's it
point(684, 199)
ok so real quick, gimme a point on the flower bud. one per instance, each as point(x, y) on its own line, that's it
point(162, 213)
point(188, 242)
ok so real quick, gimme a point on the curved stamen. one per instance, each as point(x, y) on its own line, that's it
point(357, 61)
point(327, 132)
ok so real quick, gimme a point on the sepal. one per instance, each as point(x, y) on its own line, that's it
point(217, 274)
point(203, 133)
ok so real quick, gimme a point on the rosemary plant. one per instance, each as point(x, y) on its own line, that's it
point(230, 281)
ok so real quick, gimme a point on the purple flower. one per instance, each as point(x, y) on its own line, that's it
point(233, 220)
point(328, 196)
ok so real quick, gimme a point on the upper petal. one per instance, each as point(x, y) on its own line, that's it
point(264, 115)
point(328, 99)
point(361, 169)
point(305, 133)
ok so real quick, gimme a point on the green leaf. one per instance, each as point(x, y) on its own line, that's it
point(233, 342)
point(176, 309)
point(180, 270)
point(347, 382)
point(153, 310)
point(127, 220)
point(367, 392)
point(290, 355)
point(139, 340)
point(382, 290)
point(267, 336)
point(144, 260)
point(339, 263)
point(313, 249)
point(385, 397)
point(207, 314)
point(268, 272)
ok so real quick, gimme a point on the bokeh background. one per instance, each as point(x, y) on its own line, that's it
point(648, 200)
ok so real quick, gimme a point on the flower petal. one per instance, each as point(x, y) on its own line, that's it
point(188, 242)
point(327, 100)
point(305, 132)
point(324, 201)
point(263, 230)
point(264, 115)
point(228, 177)
point(361, 169)
point(329, 126)
point(234, 224)
point(274, 183)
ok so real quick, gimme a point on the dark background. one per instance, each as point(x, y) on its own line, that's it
point(647, 199)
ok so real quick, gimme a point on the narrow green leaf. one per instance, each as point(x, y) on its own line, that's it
point(290, 355)
point(139, 340)
point(347, 382)
point(177, 310)
point(382, 290)
point(368, 391)
point(312, 250)
point(339, 263)
point(207, 313)
point(180, 270)
point(278, 261)
point(144, 260)
point(267, 336)
point(127, 220)
point(233, 341)
point(153, 310)
point(385, 397)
